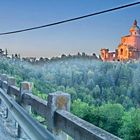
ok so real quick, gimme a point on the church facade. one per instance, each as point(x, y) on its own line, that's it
point(128, 49)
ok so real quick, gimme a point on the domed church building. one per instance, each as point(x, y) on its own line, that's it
point(128, 49)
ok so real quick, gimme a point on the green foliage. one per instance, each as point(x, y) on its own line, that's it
point(130, 129)
point(80, 108)
point(103, 93)
point(110, 117)
point(39, 94)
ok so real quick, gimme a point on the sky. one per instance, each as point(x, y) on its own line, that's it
point(88, 35)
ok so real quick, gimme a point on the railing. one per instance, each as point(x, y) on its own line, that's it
point(18, 103)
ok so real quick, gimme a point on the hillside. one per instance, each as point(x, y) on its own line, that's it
point(103, 93)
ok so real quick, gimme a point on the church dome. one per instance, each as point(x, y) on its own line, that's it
point(135, 29)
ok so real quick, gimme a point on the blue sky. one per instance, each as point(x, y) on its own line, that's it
point(88, 35)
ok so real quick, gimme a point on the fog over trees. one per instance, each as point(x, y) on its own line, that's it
point(106, 94)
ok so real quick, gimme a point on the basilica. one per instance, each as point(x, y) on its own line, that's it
point(128, 49)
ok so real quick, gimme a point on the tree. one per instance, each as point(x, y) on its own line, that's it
point(130, 129)
point(111, 117)
point(80, 108)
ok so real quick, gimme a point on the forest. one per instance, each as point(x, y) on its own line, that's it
point(106, 94)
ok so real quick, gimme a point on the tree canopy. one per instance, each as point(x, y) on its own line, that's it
point(103, 93)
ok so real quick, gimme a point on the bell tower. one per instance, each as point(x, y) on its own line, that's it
point(135, 30)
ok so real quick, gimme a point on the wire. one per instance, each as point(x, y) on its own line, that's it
point(71, 19)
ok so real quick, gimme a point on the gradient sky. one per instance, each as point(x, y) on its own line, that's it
point(87, 35)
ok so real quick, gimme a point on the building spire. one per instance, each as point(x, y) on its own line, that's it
point(135, 23)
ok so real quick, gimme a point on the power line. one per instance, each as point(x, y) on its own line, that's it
point(71, 19)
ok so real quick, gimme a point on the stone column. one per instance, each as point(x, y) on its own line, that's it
point(57, 101)
point(25, 87)
point(4, 78)
point(11, 81)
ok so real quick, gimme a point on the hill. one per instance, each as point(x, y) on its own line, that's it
point(103, 93)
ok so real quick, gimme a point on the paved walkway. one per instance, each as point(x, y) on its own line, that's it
point(3, 134)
